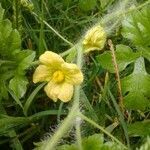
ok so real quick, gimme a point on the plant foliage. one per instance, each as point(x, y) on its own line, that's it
point(110, 109)
point(94, 142)
point(14, 61)
point(135, 86)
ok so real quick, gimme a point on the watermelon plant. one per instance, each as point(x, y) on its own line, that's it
point(74, 75)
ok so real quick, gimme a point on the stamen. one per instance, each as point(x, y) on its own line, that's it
point(58, 76)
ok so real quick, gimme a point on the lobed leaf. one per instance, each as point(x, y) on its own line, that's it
point(13, 60)
point(124, 56)
point(136, 27)
point(135, 87)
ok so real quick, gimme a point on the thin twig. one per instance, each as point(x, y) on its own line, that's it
point(117, 74)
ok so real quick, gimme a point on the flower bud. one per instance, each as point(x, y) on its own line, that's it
point(94, 39)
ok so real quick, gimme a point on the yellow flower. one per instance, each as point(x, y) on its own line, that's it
point(61, 76)
point(94, 39)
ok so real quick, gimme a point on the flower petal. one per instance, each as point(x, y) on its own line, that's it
point(66, 92)
point(63, 91)
point(42, 73)
point(73, 74)
point(52, 90)
point(51, 59)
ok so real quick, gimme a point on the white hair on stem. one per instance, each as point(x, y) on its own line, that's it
point(116, 14)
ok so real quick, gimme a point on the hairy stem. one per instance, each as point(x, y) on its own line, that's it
point(78, 133)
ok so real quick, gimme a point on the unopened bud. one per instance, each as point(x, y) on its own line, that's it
point(94, 39)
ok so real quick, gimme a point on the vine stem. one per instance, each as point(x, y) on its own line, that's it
point(77, 99)
point(117, 74)
point(78, 133)
point(64, 127)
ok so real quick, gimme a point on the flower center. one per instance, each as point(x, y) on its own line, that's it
point(58, 76)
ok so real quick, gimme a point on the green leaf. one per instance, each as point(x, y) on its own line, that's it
point(18, 85)
point(136, 27)
point(87, 5)
point(68, 147)
point(146, 53)
point(111, 146)
point(5, 28)
point(141, 128)
point(136, 87)
point(9, 39)
point(5, 74)
point(13, 60)
point(124, 56)
point(10, 122)
point(13, 41)
point(19, 82)
point(93, 142)
point(24, 59)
